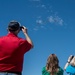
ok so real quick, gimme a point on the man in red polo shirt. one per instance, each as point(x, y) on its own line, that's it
point(13, 48)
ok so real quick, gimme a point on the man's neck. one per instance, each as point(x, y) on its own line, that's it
point(13, 33)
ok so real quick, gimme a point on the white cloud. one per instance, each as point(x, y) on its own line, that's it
point(35, 29)
point(55, 19)
point(61, 22)
point(43, 6)
point(39, 21)
point(51, 19)
point(42, 24)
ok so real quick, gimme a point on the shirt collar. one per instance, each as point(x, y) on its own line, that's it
point(11, 34)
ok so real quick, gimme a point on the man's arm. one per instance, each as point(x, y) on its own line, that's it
point(24, 29)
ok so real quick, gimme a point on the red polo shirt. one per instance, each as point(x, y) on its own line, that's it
point(12, 50)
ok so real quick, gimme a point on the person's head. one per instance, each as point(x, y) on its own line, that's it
point(72, 62)
point(52, 64)
point(14, 27)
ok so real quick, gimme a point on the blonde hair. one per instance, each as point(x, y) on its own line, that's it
point(52, 64)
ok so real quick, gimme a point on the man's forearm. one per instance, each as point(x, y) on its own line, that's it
point(28, 39)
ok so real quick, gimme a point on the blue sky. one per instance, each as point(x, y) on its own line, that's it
point(51, 26)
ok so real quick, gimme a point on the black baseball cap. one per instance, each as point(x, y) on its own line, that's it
point(13, 26)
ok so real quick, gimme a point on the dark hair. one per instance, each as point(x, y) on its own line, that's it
point(13, 26)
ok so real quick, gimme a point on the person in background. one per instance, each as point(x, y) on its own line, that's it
point(70, 65)
point(52, 67)
point(13, 48)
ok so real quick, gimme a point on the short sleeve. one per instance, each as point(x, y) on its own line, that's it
point(70, 69)
point(25, 46)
